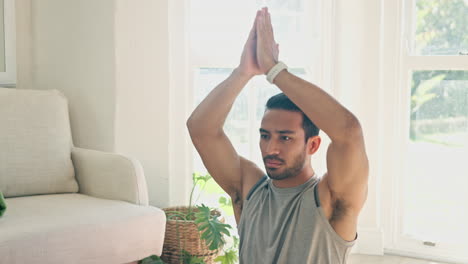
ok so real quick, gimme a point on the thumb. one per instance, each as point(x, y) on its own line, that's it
point(276, 51)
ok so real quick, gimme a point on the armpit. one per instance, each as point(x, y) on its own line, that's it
point(237, 205)
point(340, 209)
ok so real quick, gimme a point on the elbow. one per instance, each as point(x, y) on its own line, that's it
point(191, 125)
point(201, 128)
point(351, 131)
point(196, 128)
point(354, 127)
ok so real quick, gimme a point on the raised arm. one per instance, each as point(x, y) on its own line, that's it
point(347, 162)
point(232, 172)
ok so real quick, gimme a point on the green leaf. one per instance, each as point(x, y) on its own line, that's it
point(225, 204)
point(422, 93)
point(427, 85)
point(213, 188)
point(153, 259)
point(222, 200)
point(230, 257)
point(200, 178)
point(211, 228)
point(195, 175)
point(236, 242)
point(189, 259)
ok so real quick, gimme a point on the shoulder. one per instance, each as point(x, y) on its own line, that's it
point(251, 175)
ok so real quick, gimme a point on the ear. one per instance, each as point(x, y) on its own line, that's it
point(313, 144)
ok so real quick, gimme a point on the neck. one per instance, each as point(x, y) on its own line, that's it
point(297, 180)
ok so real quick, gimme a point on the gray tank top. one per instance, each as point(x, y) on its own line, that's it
point(288, 226)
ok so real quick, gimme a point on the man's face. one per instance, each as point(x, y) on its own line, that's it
point(282, 143)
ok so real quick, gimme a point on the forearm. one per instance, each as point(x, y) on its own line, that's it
point(209, 116)
point(326, 112)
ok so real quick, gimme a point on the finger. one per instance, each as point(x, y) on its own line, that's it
point(256, 18)
point(265, 21)
point(268, 17)
point(261, 16)
point(259, 23)
point(253, 30)
point(269, 25)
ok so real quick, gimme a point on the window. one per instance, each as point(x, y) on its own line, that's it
point(434, 70)
point(218, 31)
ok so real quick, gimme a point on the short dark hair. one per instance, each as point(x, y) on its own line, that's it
point(281, 101)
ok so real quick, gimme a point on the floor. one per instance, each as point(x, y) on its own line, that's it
point(386, 259)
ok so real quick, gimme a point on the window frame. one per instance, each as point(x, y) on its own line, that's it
point(8, 77)
point(399, 22)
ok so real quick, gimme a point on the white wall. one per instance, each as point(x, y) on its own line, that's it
point(357, 85)
point(72, 50)
point(142, 90)
point(24, 55)
point(110, 59)
point(2, 37)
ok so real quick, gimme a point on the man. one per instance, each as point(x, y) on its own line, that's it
point(292, 216)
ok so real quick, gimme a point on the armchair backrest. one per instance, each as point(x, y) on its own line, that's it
point(35, 143)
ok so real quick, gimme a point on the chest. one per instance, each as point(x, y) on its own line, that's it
point(272, 211)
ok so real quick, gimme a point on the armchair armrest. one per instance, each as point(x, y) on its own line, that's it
point(109, 176)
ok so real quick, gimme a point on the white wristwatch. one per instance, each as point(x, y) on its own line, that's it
point(273, 72)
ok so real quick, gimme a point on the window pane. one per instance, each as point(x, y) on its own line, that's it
point(290, 5)
point(441, 27)
point(438, 152)
point(219, 29)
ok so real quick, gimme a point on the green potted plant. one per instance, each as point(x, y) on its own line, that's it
point(197, 234)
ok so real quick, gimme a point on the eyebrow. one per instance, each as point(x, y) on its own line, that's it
point(277, 131)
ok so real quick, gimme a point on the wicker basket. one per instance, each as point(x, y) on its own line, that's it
point(187, 234)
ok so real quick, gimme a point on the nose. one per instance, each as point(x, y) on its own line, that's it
point(272, 148)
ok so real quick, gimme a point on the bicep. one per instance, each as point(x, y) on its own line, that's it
point(221, 160)
point(348, 170)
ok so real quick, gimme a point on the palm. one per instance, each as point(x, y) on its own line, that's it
point(249, 58)
point(267, 49)
point(260, 51)
point(248, 63)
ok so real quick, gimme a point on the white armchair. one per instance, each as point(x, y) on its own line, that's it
point(109, 176)
point(68, 204)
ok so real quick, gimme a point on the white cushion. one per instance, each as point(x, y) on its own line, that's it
point(35, 143)
point(75, 228)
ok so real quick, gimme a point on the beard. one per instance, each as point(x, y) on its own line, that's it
point(288, 172)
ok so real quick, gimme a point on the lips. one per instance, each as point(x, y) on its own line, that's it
point(273, 163)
